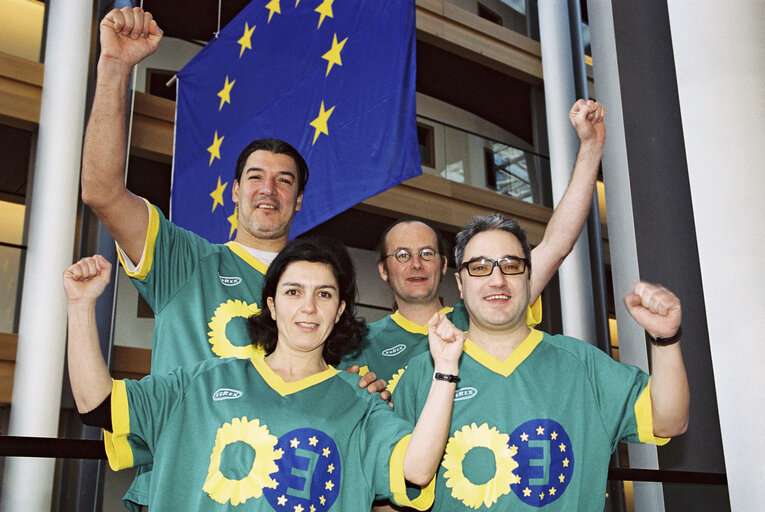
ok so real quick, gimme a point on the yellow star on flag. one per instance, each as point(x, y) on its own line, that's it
point(282, 500)
point(232, 219)
point(294, 443)
point(552, 491)
point(325, 9)
point(554, 435)
point(524, 437)
point(297, 2)
point(330, 468)
point(313, 441)
point(562, 478)
point(329, 485)
point(244, 41)
point(225, 93)
point(322, 500)
point(214, 150)
point(273, 7)
point(325, 452)
point(320, 123)
point(298, 508)
point(312, 508)
point(217, 194)
point(333, 55)
point(527, 492)
point(540, 431)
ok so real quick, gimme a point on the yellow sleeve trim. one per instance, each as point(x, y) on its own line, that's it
point(644, 419)
point(118, 449)
point(398, 484)
point(534, 313)
point(147, 258)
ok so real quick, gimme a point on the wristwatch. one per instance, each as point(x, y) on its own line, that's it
point(445, 377)
point(663, 342)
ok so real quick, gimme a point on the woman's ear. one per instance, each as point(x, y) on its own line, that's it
point(271, 307)
point(340, 310)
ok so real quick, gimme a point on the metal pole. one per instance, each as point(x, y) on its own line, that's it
point(574, 274)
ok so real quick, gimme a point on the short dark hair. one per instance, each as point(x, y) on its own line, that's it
point(491, 222)
point(278, 147)
point(348, 332)
point(382, 250)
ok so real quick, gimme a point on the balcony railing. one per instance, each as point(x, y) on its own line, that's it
point(466, 157)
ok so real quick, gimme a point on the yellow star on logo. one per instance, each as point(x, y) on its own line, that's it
point(565, 462)
point(333, 55)
point(562, 447)
point(524, 437)
point(273, 7)
point(330, 468)
point(325, 9)
point(217, 194)
point(282, 500)
point(540, 431)
point(225, 93)
point(325, 452)
point(554, 435)
point(541, 495)
point(329, 485)
point(214, 150)
point(552, 491)
point(234, 224)
point(294, 443)
point(244, 41)
point(527, 492)
point(320, 123)
point(322, 500)
point(298, 508)
point(312, 509)
point(312, 441)
point(562, 478)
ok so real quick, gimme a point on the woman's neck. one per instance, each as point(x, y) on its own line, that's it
point(291, 366)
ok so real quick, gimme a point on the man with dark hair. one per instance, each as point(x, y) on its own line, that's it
point(545, 412)
point(412, 260)
point(201, 293)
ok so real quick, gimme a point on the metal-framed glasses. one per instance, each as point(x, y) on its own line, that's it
point(482, 267)
point(404, 255)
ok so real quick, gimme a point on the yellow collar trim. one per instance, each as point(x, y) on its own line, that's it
point(412, 327)
point(506, 367)
point(288, 388)
point(251, 260)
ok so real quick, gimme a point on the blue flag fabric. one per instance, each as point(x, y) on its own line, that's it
point(334, 78)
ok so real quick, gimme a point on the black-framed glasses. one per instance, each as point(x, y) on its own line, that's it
point(482, 267)
point(404, 255)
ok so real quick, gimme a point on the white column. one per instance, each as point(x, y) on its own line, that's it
point(719, 51)
point(577, 310)
point(28, 482)
point(621, 233)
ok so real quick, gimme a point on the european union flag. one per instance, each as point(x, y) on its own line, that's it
point(334, 78)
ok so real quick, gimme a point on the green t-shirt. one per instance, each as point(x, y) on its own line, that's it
point(201, 295)
point(232, 433)
point(393, 341)
point(536, 430)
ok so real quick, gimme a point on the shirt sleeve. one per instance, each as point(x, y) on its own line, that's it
point(140, 409)
point(624, 397)
point(384, 440)
point(170, 255)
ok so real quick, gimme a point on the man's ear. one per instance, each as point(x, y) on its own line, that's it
point(235, 191)
point(383, 271)
point(443, 265)
point(299, 202)
point(271, 308)
point(459, 283)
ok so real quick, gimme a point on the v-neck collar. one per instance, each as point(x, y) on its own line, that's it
point(412, 327)
point(288, 388)
point(506, 367)
point(251, 260)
